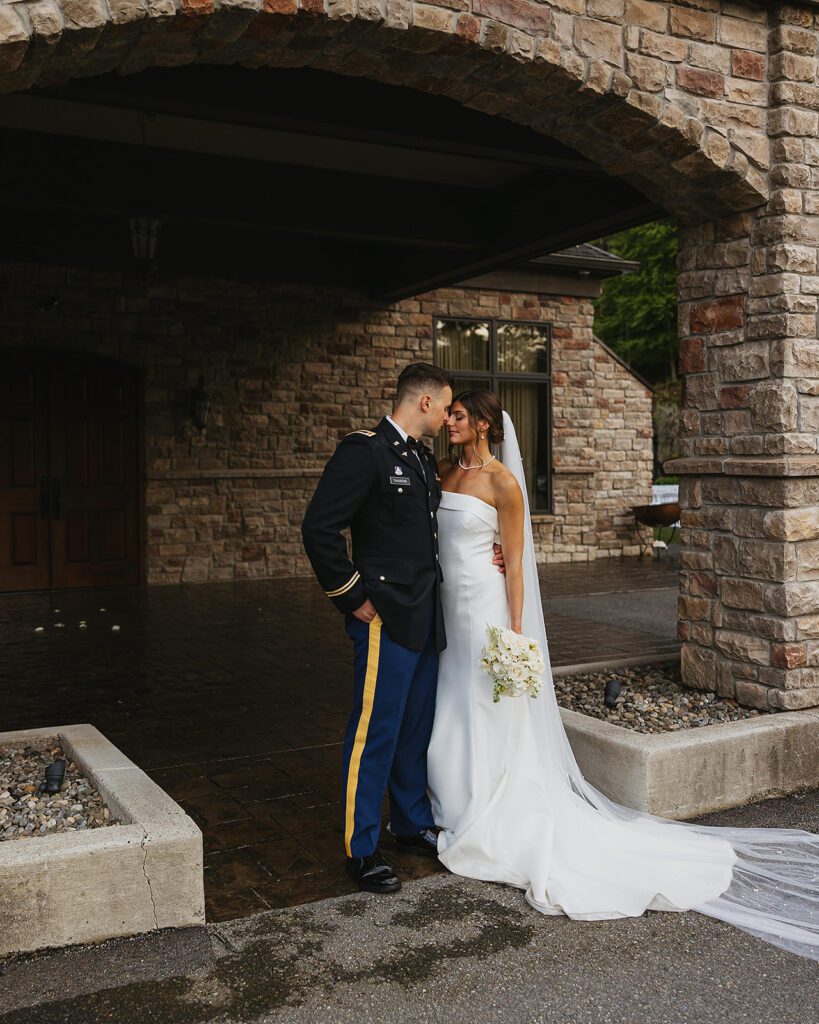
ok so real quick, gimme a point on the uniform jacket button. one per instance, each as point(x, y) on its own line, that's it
point(382, 577)
point(400, 490)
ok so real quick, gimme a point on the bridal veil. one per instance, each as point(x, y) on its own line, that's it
point(774, 887)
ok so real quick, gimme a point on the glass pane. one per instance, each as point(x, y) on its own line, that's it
point(462, 344)
point(528, 405)
point(471, 384)
point(523, 348)
point(461, 384)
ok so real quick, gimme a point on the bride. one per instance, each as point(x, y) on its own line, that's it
point(506, 791)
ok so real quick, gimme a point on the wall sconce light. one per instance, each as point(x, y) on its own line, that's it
point(200, 405)
point(144, 236)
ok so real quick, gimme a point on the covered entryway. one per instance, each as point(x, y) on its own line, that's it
point(310, 194)
point(69, 472)
point(294, 246)
point(299, 228)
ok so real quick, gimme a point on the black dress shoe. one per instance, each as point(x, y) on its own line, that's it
point(424, 842)
point(372, 874)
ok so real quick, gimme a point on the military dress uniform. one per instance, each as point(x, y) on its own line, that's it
point(386, 490)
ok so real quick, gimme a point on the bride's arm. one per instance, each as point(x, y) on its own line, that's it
point(509, 502)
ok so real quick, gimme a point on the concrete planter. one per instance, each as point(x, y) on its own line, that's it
point(684, 774)
point(61, 889)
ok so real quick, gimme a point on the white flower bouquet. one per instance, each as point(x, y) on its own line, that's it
point(514, 663)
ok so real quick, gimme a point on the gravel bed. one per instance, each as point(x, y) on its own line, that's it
point(652, 699)
point(25, 812)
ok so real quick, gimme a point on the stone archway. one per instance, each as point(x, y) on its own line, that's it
point(613, 88)
point(709, 112)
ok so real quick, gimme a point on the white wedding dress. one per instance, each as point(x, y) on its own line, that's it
point(514, 807)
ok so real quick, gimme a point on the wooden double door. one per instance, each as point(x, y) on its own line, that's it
point(69, 472)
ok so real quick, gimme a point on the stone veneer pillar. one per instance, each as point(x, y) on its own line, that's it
point(749, 602)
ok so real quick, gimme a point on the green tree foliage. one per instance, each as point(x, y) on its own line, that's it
point(637, 313)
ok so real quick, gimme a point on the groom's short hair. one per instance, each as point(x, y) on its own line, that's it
point(419, 378)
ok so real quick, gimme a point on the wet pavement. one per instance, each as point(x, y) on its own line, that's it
point(444, 950)
point(234, 698)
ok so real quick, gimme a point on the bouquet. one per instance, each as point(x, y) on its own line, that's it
point(514, 662)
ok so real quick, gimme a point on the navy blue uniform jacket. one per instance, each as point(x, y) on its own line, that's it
point(374, 485)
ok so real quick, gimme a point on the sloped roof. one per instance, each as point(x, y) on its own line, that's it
point(587, 257)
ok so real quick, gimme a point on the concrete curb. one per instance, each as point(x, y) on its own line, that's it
point(615, 663)
point(77, 887)
point(692, 772)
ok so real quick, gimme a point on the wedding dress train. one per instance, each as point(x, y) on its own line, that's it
point(514, 806)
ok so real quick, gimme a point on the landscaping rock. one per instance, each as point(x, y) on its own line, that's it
point(25, 811)
point(652, 700)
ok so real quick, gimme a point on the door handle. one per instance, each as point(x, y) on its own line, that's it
point(45, 497)
point(55, 498)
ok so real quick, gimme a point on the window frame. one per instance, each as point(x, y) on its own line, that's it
point(494, 375)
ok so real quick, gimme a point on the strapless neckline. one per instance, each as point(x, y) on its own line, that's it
point(472, 497)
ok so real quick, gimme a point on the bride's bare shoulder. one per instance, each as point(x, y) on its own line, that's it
point(505, 484)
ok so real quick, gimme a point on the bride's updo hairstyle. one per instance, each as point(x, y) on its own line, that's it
point(483, 405)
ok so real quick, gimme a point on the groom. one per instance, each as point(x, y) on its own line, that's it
point(384, 486)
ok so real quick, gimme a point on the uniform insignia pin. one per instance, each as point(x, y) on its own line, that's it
point(403, 453)
point(399, 471)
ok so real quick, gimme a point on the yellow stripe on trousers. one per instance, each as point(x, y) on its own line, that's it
point(368, 699)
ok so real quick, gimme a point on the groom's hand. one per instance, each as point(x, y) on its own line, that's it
point(367, 612)
point(498, 559)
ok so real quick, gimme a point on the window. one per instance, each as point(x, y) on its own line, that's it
point(514, 360)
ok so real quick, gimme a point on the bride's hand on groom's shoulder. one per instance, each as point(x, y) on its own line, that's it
point(498, 558)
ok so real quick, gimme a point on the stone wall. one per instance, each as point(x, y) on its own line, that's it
point(291, 370)
point(749, 605)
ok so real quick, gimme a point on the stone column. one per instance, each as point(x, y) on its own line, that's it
point(748, 286)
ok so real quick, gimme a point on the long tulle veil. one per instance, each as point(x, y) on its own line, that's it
point(774, 892)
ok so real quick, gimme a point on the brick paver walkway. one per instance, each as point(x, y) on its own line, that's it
point(234, 698)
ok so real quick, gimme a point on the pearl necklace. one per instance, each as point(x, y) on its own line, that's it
point(467, 468)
